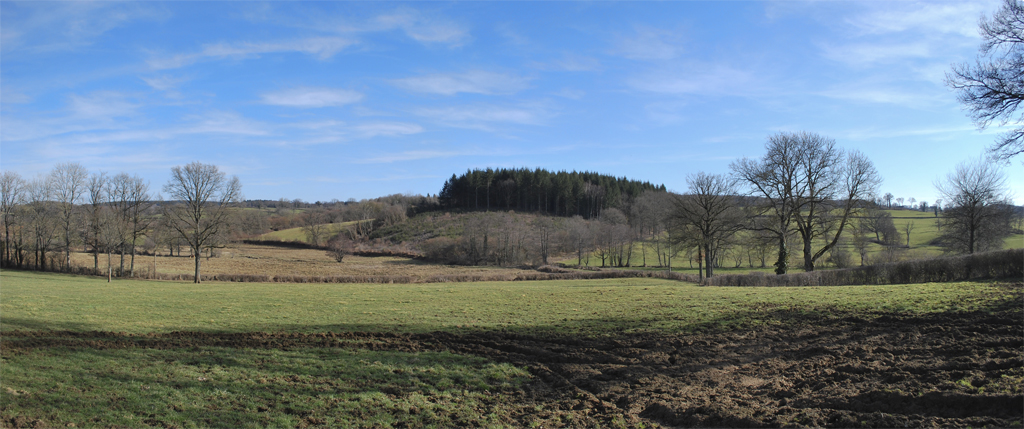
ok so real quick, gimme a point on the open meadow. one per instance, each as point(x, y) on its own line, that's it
point(78, 351)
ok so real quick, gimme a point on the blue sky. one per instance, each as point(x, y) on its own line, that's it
point(338, 100)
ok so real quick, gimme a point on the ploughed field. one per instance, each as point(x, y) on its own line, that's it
point(582, 353)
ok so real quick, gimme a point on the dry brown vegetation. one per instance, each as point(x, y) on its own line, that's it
point(271, 261)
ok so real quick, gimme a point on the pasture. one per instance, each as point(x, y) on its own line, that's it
point(620, 353)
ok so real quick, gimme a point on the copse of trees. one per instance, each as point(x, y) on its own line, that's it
point(806, 183)
point(978, 213)
point(560, 193)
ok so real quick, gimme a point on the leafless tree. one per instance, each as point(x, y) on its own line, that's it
point(810, 183)
point(899, 202)
point(709, 212)
point(68, 181)
point(907, 229)
point(12, 194)
point(888, 200)
point(580, 236)
point(339, 246)
point(978, 211)
point(43, 214)
point(96, 218)
point(200, 196)
point(992, 89)
point(545, 229)
point(314, 225)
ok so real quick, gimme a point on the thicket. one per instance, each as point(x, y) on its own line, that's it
point(998, 264)
point(559, 193)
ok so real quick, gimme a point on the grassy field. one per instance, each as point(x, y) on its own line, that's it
point(133, 353)
point(38, 301)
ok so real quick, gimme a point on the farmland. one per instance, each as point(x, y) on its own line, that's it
point(619, 352)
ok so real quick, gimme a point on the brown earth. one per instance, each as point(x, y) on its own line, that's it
point(841, 370)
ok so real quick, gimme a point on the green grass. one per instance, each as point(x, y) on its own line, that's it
point(38, 301)
point(212, 386)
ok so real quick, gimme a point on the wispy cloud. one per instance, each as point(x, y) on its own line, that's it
point(570, 63)
point(163, 83)
point(885, 94)
point(482, 117)
point(415, 155)
point(959, 18)
point(222, 122)
point(320, 47)
point(866, 54)
point(101, 105)
point(310, 97)
point(388, 129)
point(649, 44)
point(423, 28)
point(477, 82)
point(718, 79)
point(49, 27)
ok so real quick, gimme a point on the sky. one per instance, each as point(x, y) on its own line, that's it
point(323, 101)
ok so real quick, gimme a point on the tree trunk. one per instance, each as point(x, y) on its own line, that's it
point(710, 268)
point(197, 257)
point(781, 265)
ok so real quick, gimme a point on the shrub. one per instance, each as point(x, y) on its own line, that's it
point(998, 264)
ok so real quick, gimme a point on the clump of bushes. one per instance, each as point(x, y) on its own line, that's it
point(997, 264)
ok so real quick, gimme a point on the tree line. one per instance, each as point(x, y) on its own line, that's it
point(559, 193)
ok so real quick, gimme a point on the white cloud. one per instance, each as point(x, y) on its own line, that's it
point(960, 18)
point(477, 82)
point(717, 79)
point(480, 116)
point(321, 47)
point(217, 122)
point(162, 83)
point(422, 28)
point(101, 105)
point(570, 63)
point(415, 155)
point(880, 94)
point(309, 97)
point(60, 26)
point(864, 54)
point(649, 44)
point(388, 129)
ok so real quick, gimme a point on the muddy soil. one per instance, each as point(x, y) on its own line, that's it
point(878, 370)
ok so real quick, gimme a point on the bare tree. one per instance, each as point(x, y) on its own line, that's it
point(808, 182)
point(314, 225)
point(68, 181)
point(96, 219)
point(201, 196)
point(992, 89)
point(12, 193)
point(43, 213)
point(580, 237)
point(907, 229)
point(899, 202)
point(978, 211)
point(710, 212)
point(888, 200)
point(138, 220)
